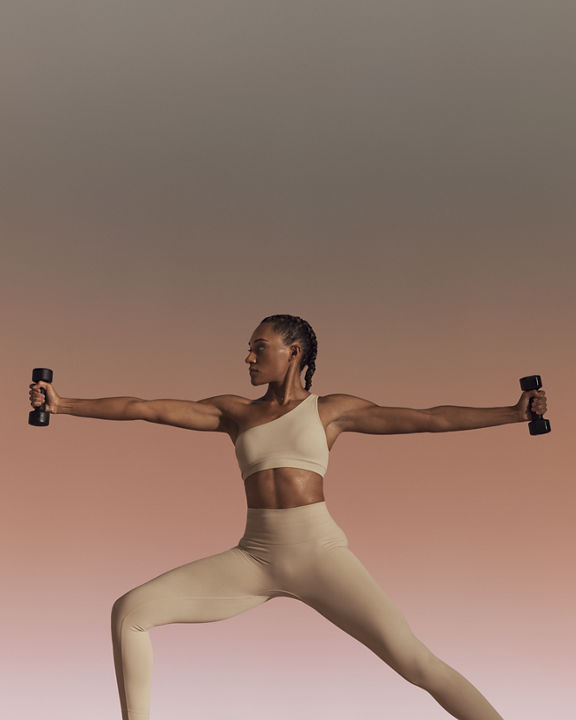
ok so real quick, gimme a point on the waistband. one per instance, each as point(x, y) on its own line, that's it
point(290, 525)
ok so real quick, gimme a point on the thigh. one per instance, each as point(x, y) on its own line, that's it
point(343, 591)
point(205, 590)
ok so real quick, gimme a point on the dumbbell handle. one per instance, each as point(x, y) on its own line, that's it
point(539, 425)
point(39, 417)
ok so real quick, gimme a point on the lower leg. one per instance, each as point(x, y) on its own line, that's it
point(455, 693)
point(132, 649)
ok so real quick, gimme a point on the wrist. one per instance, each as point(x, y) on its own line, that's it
point(63, 406)
point(517, 414)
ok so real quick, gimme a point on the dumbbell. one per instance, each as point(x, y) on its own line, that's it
point(539, 424)
point(39, 416)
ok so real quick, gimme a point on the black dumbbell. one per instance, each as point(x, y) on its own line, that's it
point(39, 416)
point(538, 425)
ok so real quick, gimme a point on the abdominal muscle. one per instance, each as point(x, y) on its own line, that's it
point(283, 488)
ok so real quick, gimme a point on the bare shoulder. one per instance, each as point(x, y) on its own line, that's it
point(230, 407)
point(233, 411)
point(225, 402)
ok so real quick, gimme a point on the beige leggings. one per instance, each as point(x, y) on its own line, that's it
point(295, 552)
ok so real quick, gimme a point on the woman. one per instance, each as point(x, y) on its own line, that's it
point(291, 545)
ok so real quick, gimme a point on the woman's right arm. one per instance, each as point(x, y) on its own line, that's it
point(113, 408)
point(208, 414)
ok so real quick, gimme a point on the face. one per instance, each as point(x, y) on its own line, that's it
point(268, 355)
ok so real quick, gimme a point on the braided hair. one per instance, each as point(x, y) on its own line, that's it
point(292, 328)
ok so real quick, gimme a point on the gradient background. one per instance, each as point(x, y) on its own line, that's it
point(402, 175)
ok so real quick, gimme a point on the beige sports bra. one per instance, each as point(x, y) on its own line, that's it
point(296, 439)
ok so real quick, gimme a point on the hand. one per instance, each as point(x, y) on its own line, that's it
point(538, 404)
point(37, 396)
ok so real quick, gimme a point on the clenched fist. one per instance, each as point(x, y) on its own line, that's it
point(52, 398)
point(538, 404)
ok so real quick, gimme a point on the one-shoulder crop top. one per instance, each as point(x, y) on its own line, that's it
point(296, 439)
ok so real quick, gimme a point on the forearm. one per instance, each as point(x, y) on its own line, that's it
point(113, 408)
point(455, 417)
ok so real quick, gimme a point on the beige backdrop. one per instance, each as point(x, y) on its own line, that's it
point(399, 174)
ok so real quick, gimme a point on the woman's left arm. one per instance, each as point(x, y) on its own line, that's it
point(354, 414)
point(455, 417)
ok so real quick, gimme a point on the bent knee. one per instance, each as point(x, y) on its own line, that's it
point(138, 609)
point(120, 602)
point(123, 606)
point(414, 662)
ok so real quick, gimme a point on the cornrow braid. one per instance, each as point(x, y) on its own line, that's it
point(292, 328)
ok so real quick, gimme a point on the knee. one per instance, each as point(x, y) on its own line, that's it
point(419, 666)
point(117, 608)
point(415, 663)
point(136, 610)
point(122, 607)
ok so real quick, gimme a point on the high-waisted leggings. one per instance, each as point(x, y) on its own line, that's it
point(298, 552)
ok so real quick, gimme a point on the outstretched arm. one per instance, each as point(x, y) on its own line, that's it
point(359, 415)
point(207, 414)
point(455, 417)
point(447, 418)
point(109, 408)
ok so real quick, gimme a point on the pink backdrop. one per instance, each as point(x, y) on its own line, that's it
point(175, 174)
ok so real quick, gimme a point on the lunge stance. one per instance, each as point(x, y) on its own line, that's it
point(291, 546)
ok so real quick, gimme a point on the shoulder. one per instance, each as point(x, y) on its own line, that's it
point(229, 405)
point(224, 402)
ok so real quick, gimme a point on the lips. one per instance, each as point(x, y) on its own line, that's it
point(251, 370)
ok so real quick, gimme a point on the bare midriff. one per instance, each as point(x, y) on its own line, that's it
point(283, 487)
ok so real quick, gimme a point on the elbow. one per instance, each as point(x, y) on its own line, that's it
point(139, 409)
point(436, 421)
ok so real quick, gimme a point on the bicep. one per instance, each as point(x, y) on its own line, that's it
point(207, 414)
point(364, 416)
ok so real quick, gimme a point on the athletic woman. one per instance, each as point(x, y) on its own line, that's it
point(291, 546)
